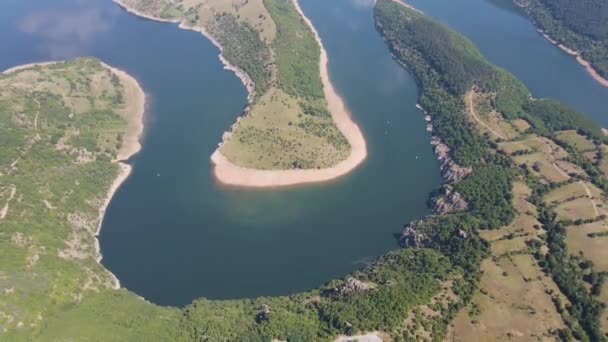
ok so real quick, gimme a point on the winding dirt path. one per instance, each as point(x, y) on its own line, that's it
point(471, 108)
point(553, 160)
point(4, 210)
point(36, 120)
point(597, 213)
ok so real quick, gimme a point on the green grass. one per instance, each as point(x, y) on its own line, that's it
point(57, 193)
point(278, 135)
point(289, 126)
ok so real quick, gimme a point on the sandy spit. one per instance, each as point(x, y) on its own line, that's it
point(234, 175)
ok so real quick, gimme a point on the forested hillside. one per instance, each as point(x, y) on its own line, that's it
point(586, 17)
point(466, 96)
point(581, 25)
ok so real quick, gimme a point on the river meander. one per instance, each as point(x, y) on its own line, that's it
point(171, 234)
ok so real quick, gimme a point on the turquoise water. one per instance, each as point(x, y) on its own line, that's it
point(508, 39)
point(171, 234)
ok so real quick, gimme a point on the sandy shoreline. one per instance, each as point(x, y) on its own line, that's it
point(590, 70)
point(245, 79)
point(229, 174)
point(134, 112)
point(30, 65)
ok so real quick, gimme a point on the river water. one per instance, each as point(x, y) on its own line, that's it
point(171, 234)
point(508, 39)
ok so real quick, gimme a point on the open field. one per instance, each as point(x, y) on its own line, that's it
point(542, 165)
point(523, 226)
point(512, 304)
point(581, 241)
point(277, 127)
point(566, 193)
point(482, 114)
point(575, 140)
point(570, 169)
point(580, 208)
point(502, 310)
point(521, 193)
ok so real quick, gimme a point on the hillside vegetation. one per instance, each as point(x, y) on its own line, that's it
point(288, 124)
point(506, 254)
point(61, 127)
point(579, 25)
point(449, 68)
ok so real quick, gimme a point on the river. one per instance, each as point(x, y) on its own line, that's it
point(171, 234)
point(508, 39)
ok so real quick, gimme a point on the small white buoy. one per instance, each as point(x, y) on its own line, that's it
point(158, 175)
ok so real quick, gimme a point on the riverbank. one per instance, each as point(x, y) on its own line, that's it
point(406, 5)
point(579, 58)
point(27, 66)
point(576, 54)
point(228, 173)
point(133, 112)
point(182, 24)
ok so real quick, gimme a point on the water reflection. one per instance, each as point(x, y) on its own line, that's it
point(68, 33)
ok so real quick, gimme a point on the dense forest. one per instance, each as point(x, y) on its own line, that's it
point(586, 17)
point(580, 25)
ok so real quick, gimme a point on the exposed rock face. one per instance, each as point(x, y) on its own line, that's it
point(451, 201)
point(410, 237)
point(350, 286)
point(450, 171)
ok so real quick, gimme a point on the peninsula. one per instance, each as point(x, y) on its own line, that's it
point(296, 129)
point(66, 128)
